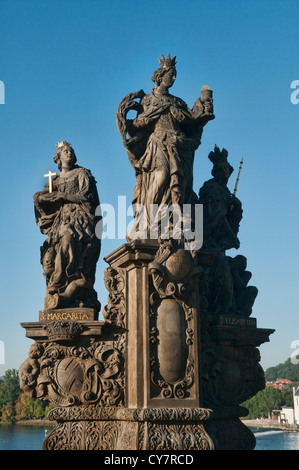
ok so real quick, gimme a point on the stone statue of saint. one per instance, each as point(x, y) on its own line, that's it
point(230, 293)
point(222, 211)
point(65, 212)
point(162, 139)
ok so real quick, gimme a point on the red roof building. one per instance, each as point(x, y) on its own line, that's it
point(281, 384)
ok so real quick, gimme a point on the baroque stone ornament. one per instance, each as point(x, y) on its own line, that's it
point(114, 312)
point(71, 375)
point(176, 353)
point(118, 429)
point(173, 322)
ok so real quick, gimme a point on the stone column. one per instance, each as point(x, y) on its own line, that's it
point(162, 330)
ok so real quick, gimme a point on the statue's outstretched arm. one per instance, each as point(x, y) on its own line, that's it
point(127, 104)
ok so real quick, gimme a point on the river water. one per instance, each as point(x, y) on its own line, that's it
point(22, 437)
point(27, 437)
point(276, 440)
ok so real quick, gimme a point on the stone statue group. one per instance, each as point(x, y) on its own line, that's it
point(176, 353)
point(161, 142)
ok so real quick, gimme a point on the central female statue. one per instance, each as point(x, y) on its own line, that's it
point(162, 139)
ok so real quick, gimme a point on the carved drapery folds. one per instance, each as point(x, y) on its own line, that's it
point(65, 212)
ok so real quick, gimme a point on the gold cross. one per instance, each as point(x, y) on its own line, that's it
point(50, 175)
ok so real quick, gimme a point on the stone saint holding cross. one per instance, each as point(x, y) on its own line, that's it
point(65, 212)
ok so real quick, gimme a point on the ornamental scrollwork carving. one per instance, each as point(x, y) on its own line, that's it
point(230, 374)
point(172, 321)
point(98, 435)
point(177, 382)
point(179, 437)
point(75, 374)
point(63, 330)
point(114, 311)
point(173, 270)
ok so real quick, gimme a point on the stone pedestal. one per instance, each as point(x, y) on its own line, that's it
point(159, 372)
point(162, 331)
point(129, 429)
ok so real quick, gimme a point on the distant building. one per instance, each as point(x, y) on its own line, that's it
point(288, 414)
point(296, 404)
point(281, 384)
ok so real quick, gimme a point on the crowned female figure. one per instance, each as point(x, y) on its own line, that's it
point(162, 139)
point(66, 214)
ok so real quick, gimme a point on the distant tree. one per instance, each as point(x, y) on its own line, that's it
point(16, 405)
point(39, 409)
point(286, 370)
point(267, 400)
point(29, 408)
point(49, 407)
point(8, 413)
point(24, 407)
point(10, 388)
point(288, 397)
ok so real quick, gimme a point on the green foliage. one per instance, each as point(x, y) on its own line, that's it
point(266, 401)
point(49, 407)
point(14, 404)
point(39, 410)
point(10, 388)
point(8, 413)
point(286, 370)
point(28, 408)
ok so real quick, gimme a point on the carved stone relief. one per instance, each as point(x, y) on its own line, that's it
point(76, 374)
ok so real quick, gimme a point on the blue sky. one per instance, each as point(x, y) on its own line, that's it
point(67, 64)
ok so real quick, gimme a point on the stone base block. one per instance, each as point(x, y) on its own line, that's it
point(166, 429)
